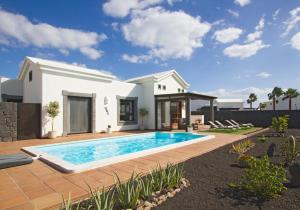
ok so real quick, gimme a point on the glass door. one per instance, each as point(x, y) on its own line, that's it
point(163, 115)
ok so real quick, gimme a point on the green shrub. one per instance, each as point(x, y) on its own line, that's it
point(52, 110)
point(263, 139)
point(280, 124)
point(290, 150)
point(167, 178)
point(102, 199)
point(146, 185)
point(128, 193)
point(263, 178)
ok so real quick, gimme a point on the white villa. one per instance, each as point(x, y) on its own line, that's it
point(90, 100)
point(283, 104)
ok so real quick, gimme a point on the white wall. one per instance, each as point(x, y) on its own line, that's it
point(10, 87)
point(53, 85)
point(171, 86)
point(149, 104)
point(284, 105)
point(32, 91)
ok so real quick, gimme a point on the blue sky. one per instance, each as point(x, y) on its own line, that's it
point(224, 47)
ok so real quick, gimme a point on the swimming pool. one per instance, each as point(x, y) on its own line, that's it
point(82, 155)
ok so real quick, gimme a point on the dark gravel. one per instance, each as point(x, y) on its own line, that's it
point(210, 173)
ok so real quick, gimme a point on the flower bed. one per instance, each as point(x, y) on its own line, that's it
point(210, 175)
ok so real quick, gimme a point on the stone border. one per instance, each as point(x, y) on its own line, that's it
point(66, 111)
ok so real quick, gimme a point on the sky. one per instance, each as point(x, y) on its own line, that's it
point(227, 48)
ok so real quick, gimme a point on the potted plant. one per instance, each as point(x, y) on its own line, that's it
point(109, 129)
point(143, 113)
point(52, 111)
point(190, 128)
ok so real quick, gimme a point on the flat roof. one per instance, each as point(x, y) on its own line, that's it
point(191, 95)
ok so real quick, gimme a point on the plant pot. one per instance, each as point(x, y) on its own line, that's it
point(108, 130)
point(52, 134)
point(190, 129)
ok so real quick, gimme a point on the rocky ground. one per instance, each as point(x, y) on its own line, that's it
point(210, 174)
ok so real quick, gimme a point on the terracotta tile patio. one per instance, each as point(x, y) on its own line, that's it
point(38, 185)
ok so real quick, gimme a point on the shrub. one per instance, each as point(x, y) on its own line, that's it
point(102, 199)
point(128, 193)
point(168, 177)
point(242, 147)
point(263, 139)
point(280, 124)
point(290, 150)
point(244, 161)
point(146, 185)
point(263, 178)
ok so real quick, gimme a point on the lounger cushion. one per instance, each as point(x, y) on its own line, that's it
point(12, 160)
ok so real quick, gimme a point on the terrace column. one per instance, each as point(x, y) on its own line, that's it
point(187, 112)
point(212, 114)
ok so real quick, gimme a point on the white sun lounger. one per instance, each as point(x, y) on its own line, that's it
point(213, 125)
point(242, 124)
point(224, 126)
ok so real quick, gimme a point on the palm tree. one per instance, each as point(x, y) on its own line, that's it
point(252, 98)
point(262, 106)
point(276, 92)
point(290, 94)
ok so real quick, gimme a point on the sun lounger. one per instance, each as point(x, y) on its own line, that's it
point(213, 125)
point(232, 124)
point(224, 126)
point(242, 124)
point(12, 160)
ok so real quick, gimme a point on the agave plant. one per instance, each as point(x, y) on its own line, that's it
point(128, 193)
point(146, 185)
point(102, 199)
point(69, 205)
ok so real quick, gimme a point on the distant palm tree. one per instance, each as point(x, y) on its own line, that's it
point(262, 106)
point(276, 92)
point(252, 98)
point(290, 94)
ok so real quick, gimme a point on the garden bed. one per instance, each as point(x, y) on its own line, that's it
point(211, 173)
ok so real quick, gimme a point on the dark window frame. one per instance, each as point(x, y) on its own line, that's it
point(159, 86)
point(164, 87)
point(133, 112)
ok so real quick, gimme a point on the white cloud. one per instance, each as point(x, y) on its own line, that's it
point(292, 21)
point(242, 3)
point(122, 8)
point(115, 26)
point(258, 31)
point(275, 15)
point(233, 13)
point(263, 75)
point(228, 35)
point(244, 51)
point(295, 41)
point(166, 34)
point(42, 35)
point(254, 36)
point(262, 93)
point(136, 58)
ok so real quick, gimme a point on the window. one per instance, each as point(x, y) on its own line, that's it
point(30, 76)
point(178, 90)
point(182, 90)
point(127, 108)
point(164, 87)
point(159, 87)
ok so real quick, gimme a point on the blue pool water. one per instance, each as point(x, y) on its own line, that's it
point(93, 150)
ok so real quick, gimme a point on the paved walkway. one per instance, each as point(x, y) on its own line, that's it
point(38, 185)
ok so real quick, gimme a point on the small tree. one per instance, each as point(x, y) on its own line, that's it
point(290, 94)
point(53, 110)
point(262, 106)
point(276, 92)
point(143, 113)
point(252, 98)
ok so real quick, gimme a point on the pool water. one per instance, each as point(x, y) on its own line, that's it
point(82, 152)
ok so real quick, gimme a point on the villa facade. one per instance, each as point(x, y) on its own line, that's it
point(92, 101)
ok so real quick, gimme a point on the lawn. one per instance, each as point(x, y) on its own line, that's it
point(210, 174)
point(239, 131)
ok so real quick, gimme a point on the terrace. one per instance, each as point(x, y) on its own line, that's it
point(38, 185)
